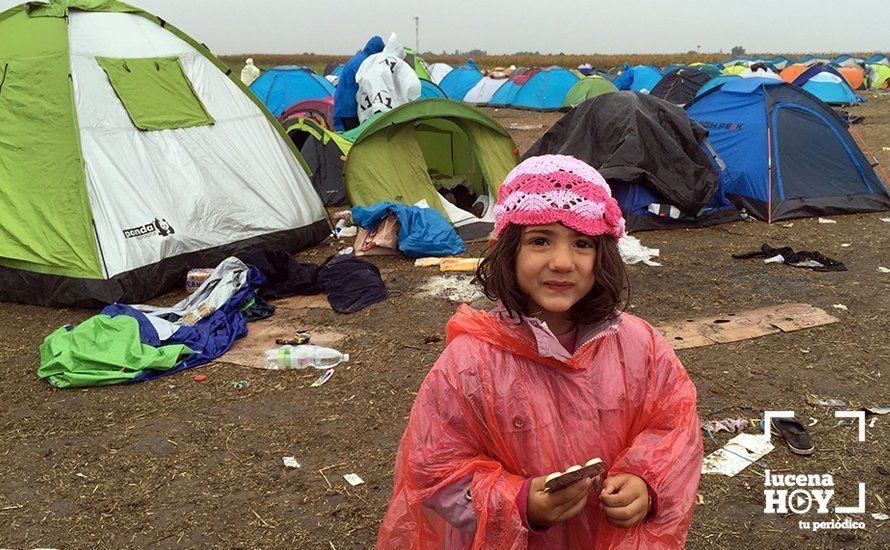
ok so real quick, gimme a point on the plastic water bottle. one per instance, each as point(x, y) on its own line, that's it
point(301, 357)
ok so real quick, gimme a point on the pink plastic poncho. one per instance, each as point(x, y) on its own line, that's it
point(494, 411)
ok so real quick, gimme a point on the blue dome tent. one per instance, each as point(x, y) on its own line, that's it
point(826, 83)
point(281, 87)
point(715, 82)
point(641, 78)
point(788, 155)
point(506, 94)
point(459, 81)
point(546, 90)
point(428, 90)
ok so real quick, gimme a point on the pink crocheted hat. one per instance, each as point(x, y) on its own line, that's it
point(558, 188)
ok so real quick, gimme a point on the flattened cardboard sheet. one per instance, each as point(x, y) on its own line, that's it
point(734, 327)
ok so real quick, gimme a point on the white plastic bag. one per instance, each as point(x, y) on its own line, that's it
point(385, 81)
point(633, 252)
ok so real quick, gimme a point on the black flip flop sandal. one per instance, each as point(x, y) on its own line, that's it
point(794, 433)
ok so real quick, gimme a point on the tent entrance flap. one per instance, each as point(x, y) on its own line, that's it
point(812, 160)
point(448, 152)
point(155, 92)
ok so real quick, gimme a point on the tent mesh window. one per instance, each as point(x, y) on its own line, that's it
point(155, 92)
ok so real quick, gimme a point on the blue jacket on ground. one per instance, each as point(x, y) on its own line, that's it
point(345, 104)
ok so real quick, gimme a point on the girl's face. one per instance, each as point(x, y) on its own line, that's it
point(554, 268)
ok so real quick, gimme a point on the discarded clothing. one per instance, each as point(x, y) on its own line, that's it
point(228, 278)
point(257, 309)
point(351, 283)
point(285, 276)
point(126, 343)
point(422, 231)
point(731, 425)
point(103, 350)
point(812, 260)
point(215, 329)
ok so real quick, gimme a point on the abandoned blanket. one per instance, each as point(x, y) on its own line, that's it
point(351, 284)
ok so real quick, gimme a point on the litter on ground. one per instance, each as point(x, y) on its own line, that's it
point(739, 452)
point(456, 288)
point(353, 479)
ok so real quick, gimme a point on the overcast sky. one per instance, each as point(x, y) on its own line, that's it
point(551, 26)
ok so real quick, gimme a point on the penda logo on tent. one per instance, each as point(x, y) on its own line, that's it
point(158, 227)
point(708, 125)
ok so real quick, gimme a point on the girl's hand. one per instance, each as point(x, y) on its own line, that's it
point(547, 509)
point(625, 500)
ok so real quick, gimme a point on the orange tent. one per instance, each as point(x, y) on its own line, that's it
point(792, 71)
point(853, 75)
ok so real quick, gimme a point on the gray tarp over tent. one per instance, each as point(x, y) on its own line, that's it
point(649, 152)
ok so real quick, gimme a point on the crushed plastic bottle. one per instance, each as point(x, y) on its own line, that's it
point(301, 357)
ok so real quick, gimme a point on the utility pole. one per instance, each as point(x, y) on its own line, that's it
point(417, 34)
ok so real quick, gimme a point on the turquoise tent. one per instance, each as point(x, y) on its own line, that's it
point(546, 90)
point(639, 78)
point(428, 90)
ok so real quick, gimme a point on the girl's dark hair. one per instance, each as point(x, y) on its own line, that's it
point(608, 297)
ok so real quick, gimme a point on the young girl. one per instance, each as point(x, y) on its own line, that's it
point(554, 376)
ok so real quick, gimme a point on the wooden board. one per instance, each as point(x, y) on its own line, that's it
point(459, 264)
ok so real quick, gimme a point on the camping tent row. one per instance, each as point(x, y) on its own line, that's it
point(129, 154)
point(145, 157)
point(283, 87)
point(548, 89)
point(662, 169)
point(782, 62)
point(682, 84)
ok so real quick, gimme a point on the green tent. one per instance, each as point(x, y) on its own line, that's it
point(418, 64)
point(424, 150)
point(586, 88)
point(128, 154)
point(878, 76)
point(735, 69)
point(712, 70)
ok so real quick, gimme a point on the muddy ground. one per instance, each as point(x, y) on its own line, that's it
point(178, 463)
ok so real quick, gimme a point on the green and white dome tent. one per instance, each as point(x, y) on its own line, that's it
point(128, 154)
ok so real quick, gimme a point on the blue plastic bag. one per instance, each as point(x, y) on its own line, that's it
point(422, 231)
